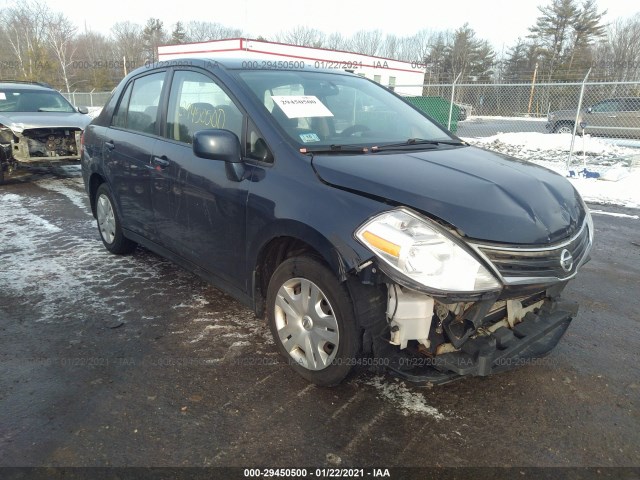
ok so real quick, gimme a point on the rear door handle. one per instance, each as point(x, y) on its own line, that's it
point(109, 144)
point(162, 162)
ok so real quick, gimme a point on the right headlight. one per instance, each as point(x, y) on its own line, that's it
point(416, 249)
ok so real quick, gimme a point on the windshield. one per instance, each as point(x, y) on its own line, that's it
point(319, 109)
point(23, 100)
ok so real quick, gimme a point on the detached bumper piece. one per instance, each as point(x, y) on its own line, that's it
point(534, 337)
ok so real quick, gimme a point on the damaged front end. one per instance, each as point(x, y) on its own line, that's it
point(454, 308)
point(44, 144)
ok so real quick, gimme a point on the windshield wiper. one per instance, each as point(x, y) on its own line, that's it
point(413, 142)
point(336, 149)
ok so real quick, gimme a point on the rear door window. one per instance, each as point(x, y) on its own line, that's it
point(138, 109)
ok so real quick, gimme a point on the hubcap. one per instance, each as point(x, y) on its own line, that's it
point(305, 324)
point(106, 219)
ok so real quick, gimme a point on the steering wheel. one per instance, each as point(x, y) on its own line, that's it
point(353, 129)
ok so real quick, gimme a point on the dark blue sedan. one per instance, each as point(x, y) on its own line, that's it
point(361, 230)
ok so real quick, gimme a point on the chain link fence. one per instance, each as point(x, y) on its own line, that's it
point(87, 99)
point(587, 122)
point(522, 118)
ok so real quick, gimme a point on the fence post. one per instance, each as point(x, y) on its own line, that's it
point(533, 86)
point(453, 91)
point(91, 97)
point(575, 124)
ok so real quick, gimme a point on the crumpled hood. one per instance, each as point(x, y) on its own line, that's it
point(488, 196)
point(19, 121)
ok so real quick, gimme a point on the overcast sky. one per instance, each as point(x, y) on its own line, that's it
point(499, 21)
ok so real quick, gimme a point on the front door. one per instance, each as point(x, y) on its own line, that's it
point(199, 207)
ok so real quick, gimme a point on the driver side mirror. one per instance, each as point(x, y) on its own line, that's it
point(84, 110)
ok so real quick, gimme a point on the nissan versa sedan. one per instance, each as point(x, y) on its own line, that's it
point(349, 220)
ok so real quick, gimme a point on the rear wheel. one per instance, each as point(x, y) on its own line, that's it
point(312, 322)
point(109, 223)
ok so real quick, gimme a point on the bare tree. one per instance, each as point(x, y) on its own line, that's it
point(196, 31)
point(97, 52)
point(336, 41)
point(303, 36)
point(367, 42)
point(622, 55)
point(60, 36)
point(390, 46)
point(128, 42)
point(25, 31)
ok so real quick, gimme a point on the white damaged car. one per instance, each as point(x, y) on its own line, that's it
point(37, 126)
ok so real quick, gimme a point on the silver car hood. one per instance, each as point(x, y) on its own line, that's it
point(20, 121)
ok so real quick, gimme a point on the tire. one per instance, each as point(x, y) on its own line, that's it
point(3, 164)
point(563, 127)
point(109, 223)
point(318, 337)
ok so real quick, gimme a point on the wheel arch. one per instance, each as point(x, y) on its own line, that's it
point(292, 239)
point(95, 180)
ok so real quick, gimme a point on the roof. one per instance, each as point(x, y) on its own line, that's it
point(25, 85)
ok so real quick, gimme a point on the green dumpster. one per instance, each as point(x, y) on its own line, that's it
point(438, 109)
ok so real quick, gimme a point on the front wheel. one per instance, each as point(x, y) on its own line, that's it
point(109, 223)
point(564, 127)
point(312, 321)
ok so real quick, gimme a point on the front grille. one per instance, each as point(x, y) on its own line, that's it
point(517, 264)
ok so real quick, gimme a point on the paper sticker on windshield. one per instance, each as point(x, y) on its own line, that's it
point(296, 106)
point(309, 137)
point(2, 96)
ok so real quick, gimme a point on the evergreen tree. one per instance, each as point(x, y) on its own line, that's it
point(179, 34)
point(153, 36)
point(553, 32)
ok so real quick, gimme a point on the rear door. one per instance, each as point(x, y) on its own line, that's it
point(128, 146)
point(199, 207)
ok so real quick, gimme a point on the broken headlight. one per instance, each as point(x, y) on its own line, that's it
point(421, 252)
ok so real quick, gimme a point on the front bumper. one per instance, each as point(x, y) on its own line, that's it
point(501, 350)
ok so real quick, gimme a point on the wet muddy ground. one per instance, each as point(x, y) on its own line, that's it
point(112, 361)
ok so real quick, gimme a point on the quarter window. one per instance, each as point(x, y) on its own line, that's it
point(197, 103)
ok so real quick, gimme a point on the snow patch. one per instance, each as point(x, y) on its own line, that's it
point(409, 402)
point(16, 219)
point(614, 214)
point(66, 188)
